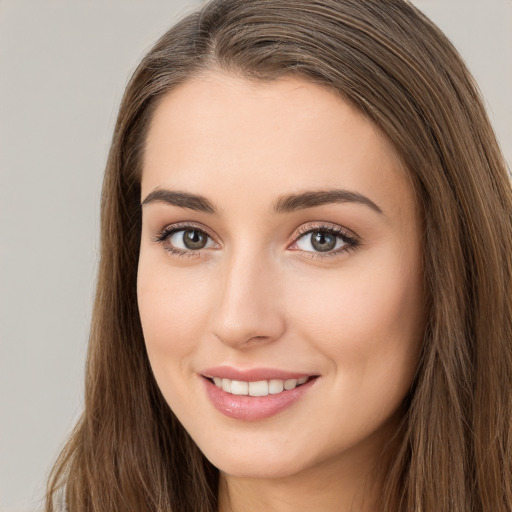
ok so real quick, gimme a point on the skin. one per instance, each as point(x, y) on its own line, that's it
point(260, 295)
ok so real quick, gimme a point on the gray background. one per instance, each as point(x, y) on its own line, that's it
point(63, 68)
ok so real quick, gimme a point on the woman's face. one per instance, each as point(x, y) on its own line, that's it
point(280, 244)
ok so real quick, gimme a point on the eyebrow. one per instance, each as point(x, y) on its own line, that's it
point(305, 200)
point(284, 204)
point(181, 199)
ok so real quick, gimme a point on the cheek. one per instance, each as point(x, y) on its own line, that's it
point(368, 320)
point(173, 310)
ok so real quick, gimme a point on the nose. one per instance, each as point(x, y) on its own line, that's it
point(249, 305)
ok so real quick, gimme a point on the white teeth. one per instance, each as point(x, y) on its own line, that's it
point(226, 385)
point(275, 386)
point(258, 388)
point(290, 384)
point(239, 387)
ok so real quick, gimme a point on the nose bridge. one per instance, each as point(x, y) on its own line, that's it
point(248, 300)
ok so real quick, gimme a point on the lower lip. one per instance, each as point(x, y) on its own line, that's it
point(254, 408)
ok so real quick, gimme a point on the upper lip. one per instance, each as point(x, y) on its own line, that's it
point(252, 374)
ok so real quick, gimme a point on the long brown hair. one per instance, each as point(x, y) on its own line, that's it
point(454, 449)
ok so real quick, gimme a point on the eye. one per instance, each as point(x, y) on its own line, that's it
point(181, 240)
point(189, 239)
point(324, 240)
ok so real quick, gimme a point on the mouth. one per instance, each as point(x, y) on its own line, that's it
point(259, 387)
point(256, 394)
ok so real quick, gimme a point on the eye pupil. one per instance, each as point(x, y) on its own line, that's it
point(194, 239)
point(323, 241)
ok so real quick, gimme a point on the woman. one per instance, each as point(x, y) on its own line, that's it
point(304, 291)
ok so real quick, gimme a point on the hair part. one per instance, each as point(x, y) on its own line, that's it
point(454, 448)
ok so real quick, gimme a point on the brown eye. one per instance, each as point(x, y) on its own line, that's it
point(323, 241)
point(191, 239)
point(194, 239)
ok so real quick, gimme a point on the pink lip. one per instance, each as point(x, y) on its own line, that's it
point(251, 375)
point(253, 408)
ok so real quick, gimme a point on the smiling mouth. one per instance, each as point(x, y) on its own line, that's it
point(258, 388)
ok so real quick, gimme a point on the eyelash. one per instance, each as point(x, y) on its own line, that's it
point(168, 231)
point(351, 242)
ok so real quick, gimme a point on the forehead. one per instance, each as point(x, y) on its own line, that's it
point(259, 138)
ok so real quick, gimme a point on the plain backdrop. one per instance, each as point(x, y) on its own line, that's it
point(63, 68)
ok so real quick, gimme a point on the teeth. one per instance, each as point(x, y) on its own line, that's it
point(290, 384)
point(275, 386)
point(258, 388)
point(226, 385)
point(239, 387)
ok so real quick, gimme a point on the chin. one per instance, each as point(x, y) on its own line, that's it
point(263, 464)
point(259, 469)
